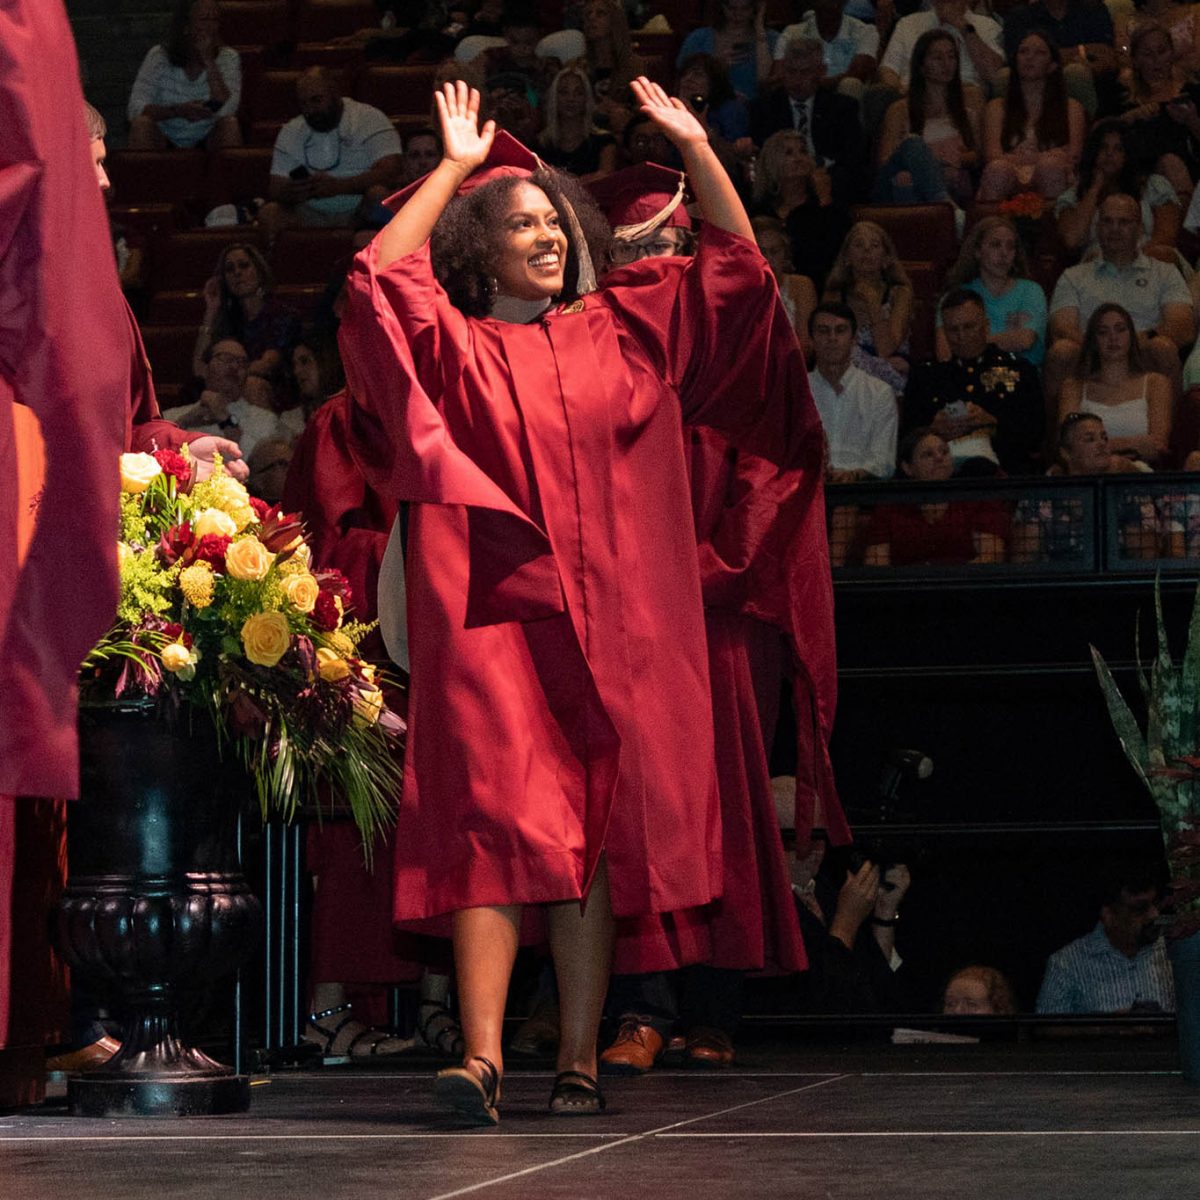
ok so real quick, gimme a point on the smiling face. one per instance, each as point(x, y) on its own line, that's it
point(1034, 59)
point(571, 96)
point(931, 460)
point(940, 64)
point(998, 252)
point(533, 253)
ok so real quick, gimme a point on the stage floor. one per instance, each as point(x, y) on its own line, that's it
point(1060, 1121)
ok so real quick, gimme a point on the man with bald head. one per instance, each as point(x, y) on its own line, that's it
point(333, 163)
point(1153, 293)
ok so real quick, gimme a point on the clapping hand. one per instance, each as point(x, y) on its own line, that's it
point(670, 114)
point(463, 141)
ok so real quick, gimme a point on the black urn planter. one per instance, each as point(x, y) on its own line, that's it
point(156, 905)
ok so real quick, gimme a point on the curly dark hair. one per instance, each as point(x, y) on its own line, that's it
point(465, 247)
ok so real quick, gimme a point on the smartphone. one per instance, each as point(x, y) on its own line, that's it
point(300, 172)
point(956, 408)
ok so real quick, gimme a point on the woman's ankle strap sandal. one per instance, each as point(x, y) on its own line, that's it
point(473, 1097)
point(576, 1095)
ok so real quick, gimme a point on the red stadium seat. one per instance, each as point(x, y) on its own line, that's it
point(238, 175)
point(921, 232)
point(144, 222)
point(310, 255)
point(186, 261)
point(255, 22)
point(324, 20)
point(272, 97)
point(169, 349)
point(158, 177)
point(335, 55)
point(303, 297)
point(397, 91)
point(175, 308)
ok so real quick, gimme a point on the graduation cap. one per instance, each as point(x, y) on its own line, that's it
point(642, 199)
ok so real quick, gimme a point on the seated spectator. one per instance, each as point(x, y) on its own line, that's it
point(316, 372)
point(226, 410)
point(704, 87)
point(1153, 293)
point(1033, 136)
point(422, 152)
point(1105, 169)
point(992, 264)
point(611, 63)
point(643, 142)
point(188, 89)
point(127, 246)
point(849, 47)
point(1121, 966)
point(1084, 449)
point(570, 140)
point(1111, 383)
point(738, 37)
point(522, 33)
point(929, 145)
point(268, 463)
point(1160, 109)
point(828, 123)
point(868, 276)
point(798, 293)
point(986, 402)
point(945, 534)
point(981, 54)
point(859, 412)
point(978, 991)
point(238, 303)
point(1083, 32)
point(1180, 20)
point(333, 164)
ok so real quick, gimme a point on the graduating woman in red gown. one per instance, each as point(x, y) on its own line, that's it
point(560, 746)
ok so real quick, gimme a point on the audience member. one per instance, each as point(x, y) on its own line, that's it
point(1121, 966)
point(738, 37)
point(929, 144)
point(333, 163)
point(992, 264)
point(519, 54)
point(1180, 20)
point(1111, 383)
point(1033, 136)
point(948, 534)
point(225, 408)
point(1153, 293)
point(316, 372)
point(1084, 448)
point(268, 463)
point(506, 101)
point(828, 123)
point(978, 991)
point(238, 303)
point(859, 412)
point(570, 139)
point(1106, 168)
point(704, 86)
point(798, 293)
point(868, 276)
point(422, 152)
point(849, 47)
point(978, 37)
point(985, 401)
point(188, 89)
point(611, 63)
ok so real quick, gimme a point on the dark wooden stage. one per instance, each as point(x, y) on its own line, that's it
point(1095, 1120)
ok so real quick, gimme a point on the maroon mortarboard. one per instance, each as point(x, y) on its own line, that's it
point(641, 199)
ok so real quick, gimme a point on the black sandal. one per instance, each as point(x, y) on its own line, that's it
point(325, 1038)
point(576, 1095)
point(472, 1098)
point(439, 1029)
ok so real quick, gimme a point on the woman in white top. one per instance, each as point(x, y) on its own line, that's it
point(188, 89)
point(1135, 404)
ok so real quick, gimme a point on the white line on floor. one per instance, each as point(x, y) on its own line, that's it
point(955, 1133)
point(477, 1187)
point(298, 1137)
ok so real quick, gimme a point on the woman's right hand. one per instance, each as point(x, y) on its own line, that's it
point(463, 142)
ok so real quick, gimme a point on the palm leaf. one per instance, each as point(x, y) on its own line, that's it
point(1124, 722)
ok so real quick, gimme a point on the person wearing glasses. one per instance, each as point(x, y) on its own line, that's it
point(333, 163)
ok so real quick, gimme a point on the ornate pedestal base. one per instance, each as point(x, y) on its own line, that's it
point(98, 1095)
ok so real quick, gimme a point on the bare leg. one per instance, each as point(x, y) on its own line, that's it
point(144, 134)
point(485, 946)
point(226, 133)
point(582, 945)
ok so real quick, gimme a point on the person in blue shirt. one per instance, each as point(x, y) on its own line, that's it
point(739, 37)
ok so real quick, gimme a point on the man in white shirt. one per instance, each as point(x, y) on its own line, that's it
point(334, 163)
point(849, 47)
point(858, 411)
point(980, 44)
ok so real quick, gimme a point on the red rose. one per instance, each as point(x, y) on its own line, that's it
point(325, 614)
point(210, 549)
point(175, 465)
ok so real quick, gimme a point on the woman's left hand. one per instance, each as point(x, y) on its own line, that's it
point(672, 116)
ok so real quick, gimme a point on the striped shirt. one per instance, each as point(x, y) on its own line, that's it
point(1090, 975)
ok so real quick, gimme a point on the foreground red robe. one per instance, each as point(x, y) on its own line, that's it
point(559, 699)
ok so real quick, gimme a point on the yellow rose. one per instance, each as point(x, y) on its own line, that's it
point(175, 657)
point(330, 667)
point(368, 706)
point(248, 558)
point(196, 583)
point(243, 516)
point(229, 495)
point(266, 637)
point(137, 470)
point(213, 520)
point(301, 591)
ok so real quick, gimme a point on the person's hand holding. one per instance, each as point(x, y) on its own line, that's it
point(855, 903)
point(892, 890)
point(463, 142)
point(677, 122)
point(203, 449)
point(322, 184)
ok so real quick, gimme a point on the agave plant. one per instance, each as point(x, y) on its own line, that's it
point(1166, 756)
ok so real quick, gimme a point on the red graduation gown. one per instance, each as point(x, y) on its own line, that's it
point(559, 699)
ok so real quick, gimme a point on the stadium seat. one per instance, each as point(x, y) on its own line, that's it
point(921, 232)
point(271, 98)
point(185, 261)
point(169, 349)
point(158, 177)
point(397, 91)
point(175, 308)
point(335, 55)
point(303, 297)
point(324, 20)
point(255, 22)
point(237, 175)
point(310, 255)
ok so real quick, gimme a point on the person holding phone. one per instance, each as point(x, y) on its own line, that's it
point(188, 89)
point(740, 39)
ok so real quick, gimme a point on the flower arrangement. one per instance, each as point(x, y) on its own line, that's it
point(1025, 205)
point(1166, 757)
point(221, 610)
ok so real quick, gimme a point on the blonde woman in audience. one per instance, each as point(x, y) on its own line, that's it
point(1033, 136)
point(797, 292)
point(611, 63)
point(868, 276)
point(1181, 21)
point(570, 140)
point(992, 264)
point(1112, 383)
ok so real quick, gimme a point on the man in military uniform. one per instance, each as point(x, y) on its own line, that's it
point(986, 402)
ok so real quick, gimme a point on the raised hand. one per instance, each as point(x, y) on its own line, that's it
point(670, 114)
point(463, 142)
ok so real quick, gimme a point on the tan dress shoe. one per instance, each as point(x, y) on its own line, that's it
point(634, 1052)
point(86, 1059)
